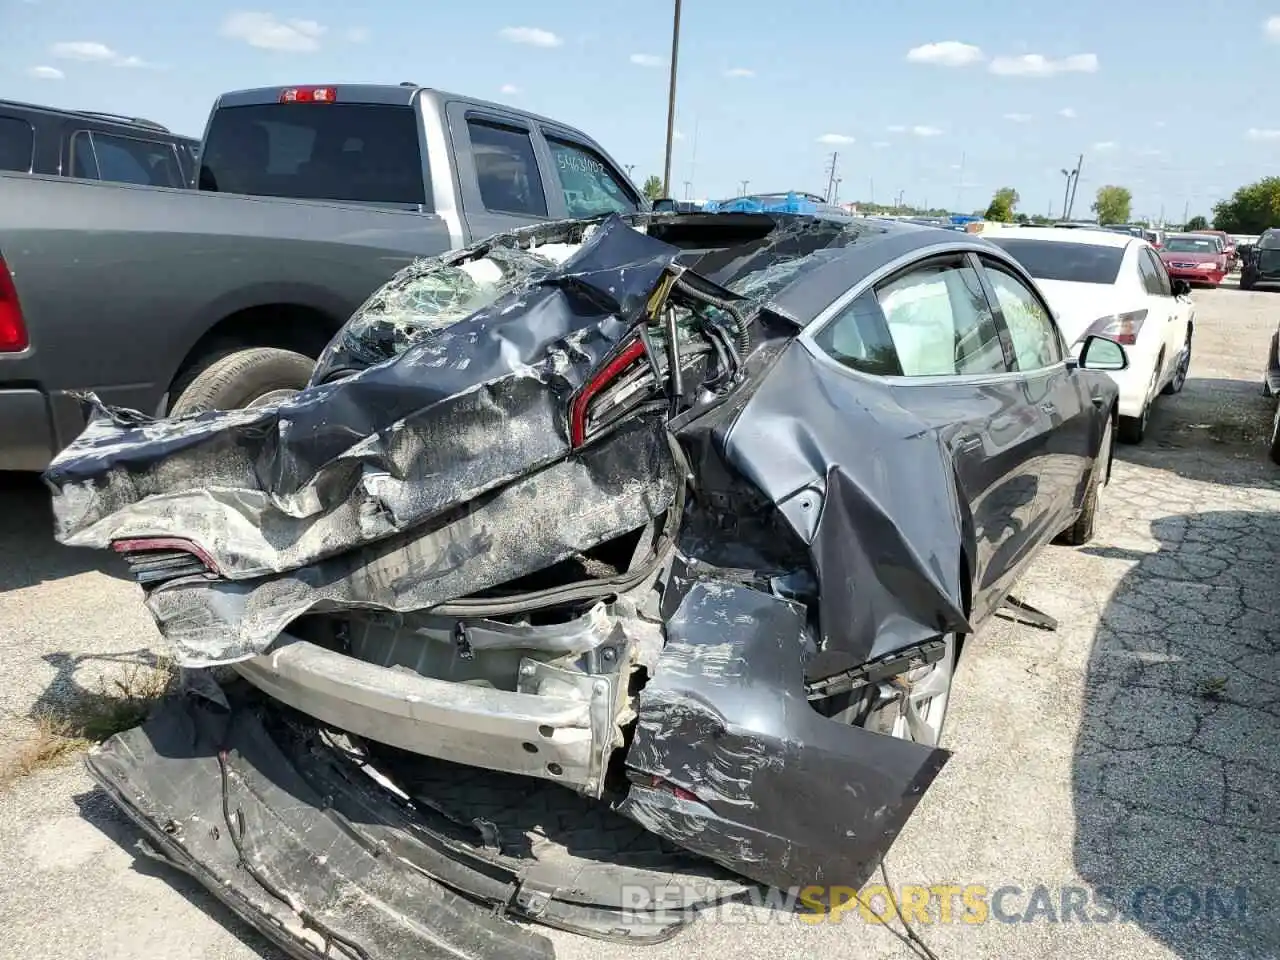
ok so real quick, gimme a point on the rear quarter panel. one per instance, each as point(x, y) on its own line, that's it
point(118, 283)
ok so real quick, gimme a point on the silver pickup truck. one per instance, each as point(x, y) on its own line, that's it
point(308, 199)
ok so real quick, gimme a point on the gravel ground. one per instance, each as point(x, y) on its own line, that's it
point(1134, 748)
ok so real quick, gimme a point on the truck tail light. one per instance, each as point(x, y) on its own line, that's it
point(308, 95)
point(626, 377)
point(1120, 327)
point(13, 328)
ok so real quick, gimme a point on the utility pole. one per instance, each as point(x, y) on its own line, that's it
point(831, 179)
point(1075, 182)
point(671, 101)
point(1186, 212)
point(871, 183)
point(687, 185)
point(835, 197)
point(744, 188)
point(897, 203)
point(960, 186)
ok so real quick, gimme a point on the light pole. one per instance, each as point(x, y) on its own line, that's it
point(629, 167)
point(671, 101)
point(744, 188)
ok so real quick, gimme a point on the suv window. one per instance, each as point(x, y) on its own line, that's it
point(506, 169)
point(17, 145)
point(334, 151)
point(933, 321)
point(590, 187)
point(1036, 343)
point(103, 156)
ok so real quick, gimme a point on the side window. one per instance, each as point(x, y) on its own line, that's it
point(134, 160)
point(1036, 343)
point(1150, 281)
point(1163, 288)
point(940, 322)
point(17, 145)
point(507, 169)
point(590, 187)
point(858, 337)
point(83, 162)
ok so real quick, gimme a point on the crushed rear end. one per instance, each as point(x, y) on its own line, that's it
point(521, 586)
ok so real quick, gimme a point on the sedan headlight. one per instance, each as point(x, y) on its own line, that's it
point(1120, 327)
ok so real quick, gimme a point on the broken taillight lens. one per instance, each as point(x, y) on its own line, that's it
point(156, 559)
point(621, 379)
point(13, 327)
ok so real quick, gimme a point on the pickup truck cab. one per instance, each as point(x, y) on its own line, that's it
point(308, 199)
point(93, 146)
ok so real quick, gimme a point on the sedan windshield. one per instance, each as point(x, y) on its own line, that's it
point(1193, 245)
point(1069, 262)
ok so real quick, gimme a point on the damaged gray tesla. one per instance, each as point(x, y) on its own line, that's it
point(630, 553)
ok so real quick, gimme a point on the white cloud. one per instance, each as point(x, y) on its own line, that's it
point(267, 32)
point(1018, 117)
point(946, 53)
point(897, 128)
point(646, 60)
point(357, 35)
point(881, 144)
point(90, 51)
point(739, 72)
point(835, 139)
point(1038, 65)
point(1068, 112)
point(923, 131)
point(1254, 133)
point(46, 73)
point(1103, 146)
point(1272, 28)
point(530, 36)
point(510, 89)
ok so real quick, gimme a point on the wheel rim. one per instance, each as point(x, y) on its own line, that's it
point(920, 697)
point(271, 397)
point(1180, 375)
point(1275, 426)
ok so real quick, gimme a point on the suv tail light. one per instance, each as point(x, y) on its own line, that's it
point(13, 328)
point(1120, 327)
point(618, 386)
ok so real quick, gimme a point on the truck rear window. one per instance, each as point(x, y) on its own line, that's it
point(333, 151)
point(17, 143)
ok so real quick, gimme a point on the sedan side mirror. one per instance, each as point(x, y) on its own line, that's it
point(1180, 287)
point(1103, 353)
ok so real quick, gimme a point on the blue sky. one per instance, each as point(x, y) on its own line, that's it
point(941, 101)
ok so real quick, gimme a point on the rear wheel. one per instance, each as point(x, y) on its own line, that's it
point(1081, 532)
point(1134, 429)
point(1274, 452)
point(1180, 374)
point(254, 377)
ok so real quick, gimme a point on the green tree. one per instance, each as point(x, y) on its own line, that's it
point(653, 188)
point(1196, 223)
point(1002, 205)
point(1112, 204)
point(1251, 209)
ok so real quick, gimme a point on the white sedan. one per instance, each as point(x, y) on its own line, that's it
point(1098, 282)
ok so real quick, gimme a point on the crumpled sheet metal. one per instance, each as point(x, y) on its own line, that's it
point(460, 412)
point(785, 796)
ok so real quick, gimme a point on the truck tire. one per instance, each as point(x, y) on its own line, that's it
point(245, 378)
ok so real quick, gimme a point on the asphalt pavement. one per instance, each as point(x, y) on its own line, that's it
point(1113, 790)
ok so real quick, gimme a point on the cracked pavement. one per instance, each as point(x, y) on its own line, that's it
point(1135, 747)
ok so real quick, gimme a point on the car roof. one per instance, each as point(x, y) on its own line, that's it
point(1097, 238)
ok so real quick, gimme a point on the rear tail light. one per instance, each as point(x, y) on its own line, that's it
point(616, 387)
point(308, 95)
point(157, 559)
point(1120, 327)
point(13, 328)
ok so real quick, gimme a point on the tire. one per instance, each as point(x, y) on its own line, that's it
point(1134, 429)
point(1081, 532)
point(1246, 282)
point(1274, 452)
point(1180, 375)
point(245, 378)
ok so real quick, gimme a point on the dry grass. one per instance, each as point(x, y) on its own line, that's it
point(119, 703)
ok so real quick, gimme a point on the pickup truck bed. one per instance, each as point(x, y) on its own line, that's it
point(175, 300)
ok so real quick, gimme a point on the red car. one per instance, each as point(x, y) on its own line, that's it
point(1197, 258)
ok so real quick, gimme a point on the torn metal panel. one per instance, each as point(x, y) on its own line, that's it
point(462, 411)
point(616, 485)
point(725, 718)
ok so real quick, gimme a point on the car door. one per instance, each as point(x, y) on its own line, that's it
point(498, 175)
point(1176, 309)
point(930, 331)
point(1055, 398)
point(581, 180)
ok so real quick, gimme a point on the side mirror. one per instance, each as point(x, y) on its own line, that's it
point(1180, 287)
point(1103, 353)
point(665, 205)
